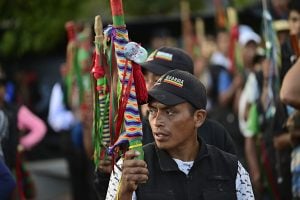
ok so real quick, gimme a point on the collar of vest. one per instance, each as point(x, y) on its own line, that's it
point(167, 163)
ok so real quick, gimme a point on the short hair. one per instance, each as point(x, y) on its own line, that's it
point(192, 109)
point(294, 5)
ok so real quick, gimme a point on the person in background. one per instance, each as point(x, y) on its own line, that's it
point(227, 82)
point(25, 131)
point(7, 181)
point(66, 120)
point(288, 52)
point(289, 93)
point(155, 66)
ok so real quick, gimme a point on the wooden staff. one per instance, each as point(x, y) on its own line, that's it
point(234, 34)
point(295, 44)
point(101, 135)
point(127, 121)
point(186, 27)
point(70, 54)
point(220, 15)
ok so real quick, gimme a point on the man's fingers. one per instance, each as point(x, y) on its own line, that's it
point(131, 154)
point(105, 162)
point(136, 178)
point(134, 164)
point(135, 169)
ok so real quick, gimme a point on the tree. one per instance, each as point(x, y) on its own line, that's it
point(33, 26)
point(37, 26)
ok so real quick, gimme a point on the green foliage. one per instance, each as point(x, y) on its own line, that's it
point(242, 3)
point(157, 7)
point(33, 25)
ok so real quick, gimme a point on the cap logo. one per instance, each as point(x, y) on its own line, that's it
point(164, 56)
point(174, 81)
point(151, 56)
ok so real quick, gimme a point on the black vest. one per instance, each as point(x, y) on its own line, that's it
point(212, 176)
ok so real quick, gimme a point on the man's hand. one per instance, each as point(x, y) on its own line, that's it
point(282, 141)
point(105, 165)
point(134, 172)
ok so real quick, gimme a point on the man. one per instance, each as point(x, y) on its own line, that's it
point(289, 92)
point(163, 60)
point(223, 90)
point(180, 165)
point(65, 119)
point(159, 62)
point(7, 181)
point(288, 50)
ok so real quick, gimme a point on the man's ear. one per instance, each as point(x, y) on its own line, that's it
point(199, 117)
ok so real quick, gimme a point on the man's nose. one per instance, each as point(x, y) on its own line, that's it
point(151, 84)
point(158, 120)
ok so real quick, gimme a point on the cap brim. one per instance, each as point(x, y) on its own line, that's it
point(164, 97)
point(155, 68)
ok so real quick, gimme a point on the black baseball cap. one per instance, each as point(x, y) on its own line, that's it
point(178, 86)
point(165, 59)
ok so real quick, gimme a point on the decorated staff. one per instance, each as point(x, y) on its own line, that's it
point(101, 136)
point(186, 27)
point(254, 124)
point(78, 65)
point(273, 54)
point(125, 85)
point(295, 45)
point(70, 55)
point(220, 14)
point(234, 50)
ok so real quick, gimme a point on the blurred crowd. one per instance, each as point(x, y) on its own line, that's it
point(246, 74)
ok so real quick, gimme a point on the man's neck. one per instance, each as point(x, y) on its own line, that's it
point(188, 152)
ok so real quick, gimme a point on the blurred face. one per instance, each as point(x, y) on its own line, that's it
point(2, 92)
point(294, 22)
point(150, 79)
point(249, 52)
point(174, 127)
point(280, 3)
point(223, 42)
point(63, 70)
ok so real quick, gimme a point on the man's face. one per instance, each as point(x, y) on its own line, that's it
point(249, 51)
point(150, 79)
point(223, 42)
point(173, 127)
point(294, 22)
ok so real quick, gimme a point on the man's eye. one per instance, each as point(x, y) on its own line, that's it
point(151, 111)
point(169, 112)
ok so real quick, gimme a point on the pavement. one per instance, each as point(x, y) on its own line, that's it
point(51, 178)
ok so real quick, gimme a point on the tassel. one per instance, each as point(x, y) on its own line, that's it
point(97, 71)
point(140, 85)
point(70, 27)
point(234, 34)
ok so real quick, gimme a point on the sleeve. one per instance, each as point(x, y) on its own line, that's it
point(243, 184)
point(59, 117)
point(224, 81)
point(251, 88)
point(36, 127)
point(248, 97)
